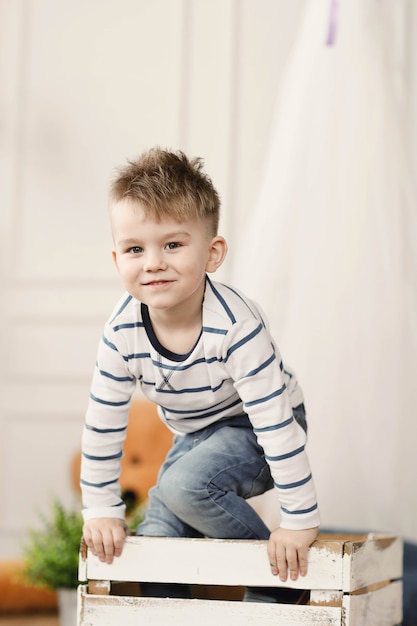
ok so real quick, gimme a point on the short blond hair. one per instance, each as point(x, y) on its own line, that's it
point(168, 184)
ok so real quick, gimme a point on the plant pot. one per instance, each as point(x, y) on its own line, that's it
point(67, 603)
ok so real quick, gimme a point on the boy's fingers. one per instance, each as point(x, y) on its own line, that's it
point(272, 558)
point(292, 562)
point(282, 566)
point(303, 562)
point(119, 539)
point(105, 540)
point(112, 542)
point(278, 560)
point(101, 546)
point(287, 561)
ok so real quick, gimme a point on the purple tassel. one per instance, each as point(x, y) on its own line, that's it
point(331, 33)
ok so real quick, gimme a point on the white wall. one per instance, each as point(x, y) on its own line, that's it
point(84, 85)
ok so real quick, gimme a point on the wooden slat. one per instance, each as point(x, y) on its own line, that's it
point(213, 562)
point(367, 565)
point(325, 597)
point(335, 564)
point(110, 610)
point(371, 561)
point(99, 587)
point(382, 607)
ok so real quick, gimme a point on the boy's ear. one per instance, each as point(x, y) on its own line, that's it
point(217, 254)
point(114, 257)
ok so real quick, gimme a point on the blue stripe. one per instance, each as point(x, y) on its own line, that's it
point(274, 394)
point(102, 458)
point(107, 402)
point(167, 366)
point(282, 457)
point(174, 392)
point(199, 417)
point(99, 485)
point(150, 383)
point(139, 355)
point(128, 325)
point(222, 302)
point(179, 368)
point(109, 343)
point(243, 341)
point(301, 512)
point(105, 430)
point(266, 429)
point(143, 355)
point(242, 299)
point(215, 331)
point(298, 483)
point(124, 305)
point(195, 411)
point(271, 359)
point(119, 379)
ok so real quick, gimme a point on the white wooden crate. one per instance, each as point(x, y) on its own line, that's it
point(353, 581)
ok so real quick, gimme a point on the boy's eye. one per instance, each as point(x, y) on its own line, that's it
point(172, 245)
point(135, 250)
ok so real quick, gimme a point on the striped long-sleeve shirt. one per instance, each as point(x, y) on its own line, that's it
point(233, 369)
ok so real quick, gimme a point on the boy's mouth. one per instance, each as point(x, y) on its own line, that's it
point(158, 283)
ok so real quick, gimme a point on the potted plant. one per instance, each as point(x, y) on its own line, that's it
point(51, 557)
point(51, 554)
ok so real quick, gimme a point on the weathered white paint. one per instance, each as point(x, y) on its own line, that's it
point(334, 563)
point(241, 563)
point(111, 610)
point(326, 597)
point(165, 559)
point(370, 561)
point(382, 607)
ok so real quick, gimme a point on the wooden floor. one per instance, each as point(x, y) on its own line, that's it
point(30, 620)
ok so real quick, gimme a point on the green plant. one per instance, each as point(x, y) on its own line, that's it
point(51, 552)
point(135, 516)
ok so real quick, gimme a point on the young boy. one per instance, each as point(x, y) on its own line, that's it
point(202, 352)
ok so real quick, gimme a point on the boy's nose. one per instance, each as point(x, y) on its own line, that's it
point(153, 261)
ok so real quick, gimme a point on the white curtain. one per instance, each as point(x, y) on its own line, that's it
point(329, 253)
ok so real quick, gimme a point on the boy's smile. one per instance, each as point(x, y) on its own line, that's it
point(163, 263)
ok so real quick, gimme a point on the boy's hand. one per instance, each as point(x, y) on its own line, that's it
point(288, 551)
point(105, 537)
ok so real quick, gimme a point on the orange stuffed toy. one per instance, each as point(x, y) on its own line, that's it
point(147, 443)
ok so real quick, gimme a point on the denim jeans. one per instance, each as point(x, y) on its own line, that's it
point(205, 480)
point(203, 485)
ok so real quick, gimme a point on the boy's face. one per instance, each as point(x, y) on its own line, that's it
point(163, 264)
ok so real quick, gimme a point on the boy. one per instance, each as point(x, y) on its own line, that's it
point(202, 352)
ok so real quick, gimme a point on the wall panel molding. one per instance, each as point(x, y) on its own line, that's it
point(79, 97)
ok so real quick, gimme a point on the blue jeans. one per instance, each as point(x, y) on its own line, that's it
point(203, 485)
point(205, 480)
